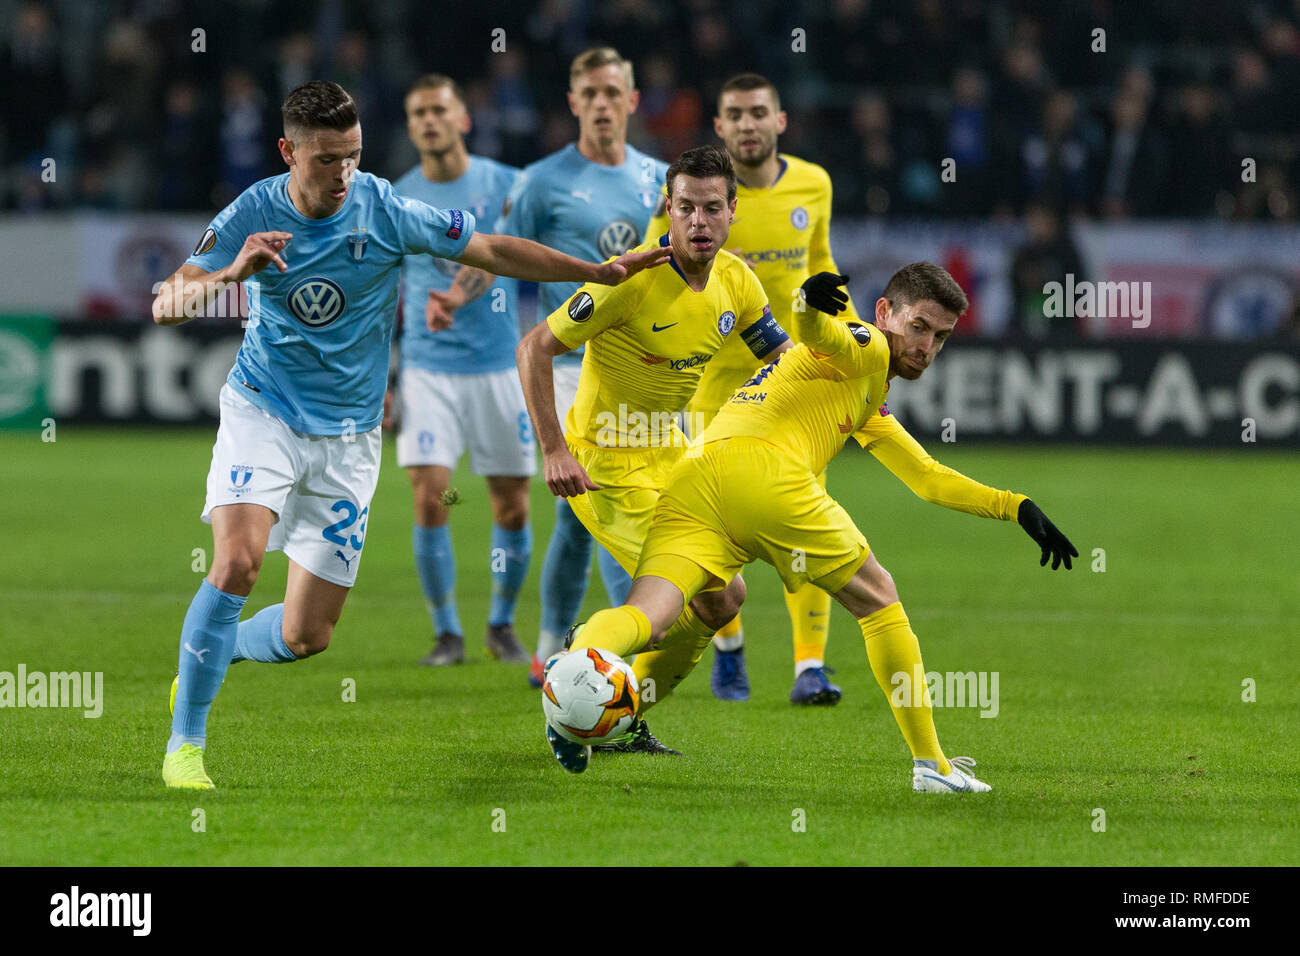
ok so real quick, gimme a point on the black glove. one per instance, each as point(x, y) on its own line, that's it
point(1054, 544)
point(824, 294)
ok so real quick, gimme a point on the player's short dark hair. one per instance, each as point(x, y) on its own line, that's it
point(924, 280)
point(704, 162)
point(316, 105)
point(744, 82)
point(436, 81)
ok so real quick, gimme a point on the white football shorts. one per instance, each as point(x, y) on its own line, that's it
point(319, 487)
point(443, 414)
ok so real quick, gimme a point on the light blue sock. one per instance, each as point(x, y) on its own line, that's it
point(436, 565)
point(207, 641)
point(259, 638)
point(564, 578)
point(518, 548)
point(617, 581)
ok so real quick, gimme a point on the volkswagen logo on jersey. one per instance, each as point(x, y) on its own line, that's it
point(799, 218)
point(581, 306)
point(726, 322)
point(317, 301)
point(617, 238)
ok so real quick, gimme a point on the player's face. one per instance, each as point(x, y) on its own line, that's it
point(602, 103)
point(749, 123)
point(321, 164)
point(436, 120)
point(699, 218)
point(919, 331)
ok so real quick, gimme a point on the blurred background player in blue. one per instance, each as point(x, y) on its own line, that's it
point(592, 199)
point(458, 385)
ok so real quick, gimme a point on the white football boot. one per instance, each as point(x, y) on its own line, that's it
point(926, 777)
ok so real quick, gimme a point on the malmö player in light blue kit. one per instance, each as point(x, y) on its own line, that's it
point(297, 454)
point(458, 384)
point(592, 199)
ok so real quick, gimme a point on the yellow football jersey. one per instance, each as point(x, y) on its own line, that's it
point(783, 234)
point(648, 341)
point(832, 385)
point(813, 397)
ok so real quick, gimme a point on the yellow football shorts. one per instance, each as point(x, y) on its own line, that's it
point(619, 515)
point(739, 500)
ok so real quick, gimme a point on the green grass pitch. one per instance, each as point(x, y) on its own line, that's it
point(1119, 690)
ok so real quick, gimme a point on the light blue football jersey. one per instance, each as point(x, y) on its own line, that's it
point(587, 210)
point(315, 353)
point(485, 332)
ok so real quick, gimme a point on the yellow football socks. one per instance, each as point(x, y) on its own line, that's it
point(731, 637)
point(621, 630)
point(810, 609)
point(668, 664)
point(893, 649)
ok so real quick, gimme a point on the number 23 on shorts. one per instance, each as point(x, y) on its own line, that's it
point(334, 533)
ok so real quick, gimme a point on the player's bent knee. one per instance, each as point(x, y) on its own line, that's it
point(236, 572)
point(308, 640)
point(717, 608)
point(870, 590)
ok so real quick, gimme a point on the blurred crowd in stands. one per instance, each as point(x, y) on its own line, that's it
point(1101, 108)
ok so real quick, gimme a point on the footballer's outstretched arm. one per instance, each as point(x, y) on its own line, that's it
point(198, 288)
point(524, 259)
point(938, 484)
point(535, 356)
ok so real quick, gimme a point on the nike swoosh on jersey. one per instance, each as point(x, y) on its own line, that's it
point(847, 426)
point(660, 328)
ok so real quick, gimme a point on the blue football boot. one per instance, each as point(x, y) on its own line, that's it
point(730, 681)
point(812, 687)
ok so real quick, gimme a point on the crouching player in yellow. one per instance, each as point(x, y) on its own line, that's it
point(646, 348)
point(748, 491)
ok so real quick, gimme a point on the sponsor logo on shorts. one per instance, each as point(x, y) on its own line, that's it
point(861, 333)
point(317, 302)
point(726, 322)
point(206, 241)
point(581, 306)
point(799, 218)
point(425, 440)
point(457, 224)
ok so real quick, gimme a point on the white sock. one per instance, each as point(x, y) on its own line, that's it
point(729, 643)
point(801, 666)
